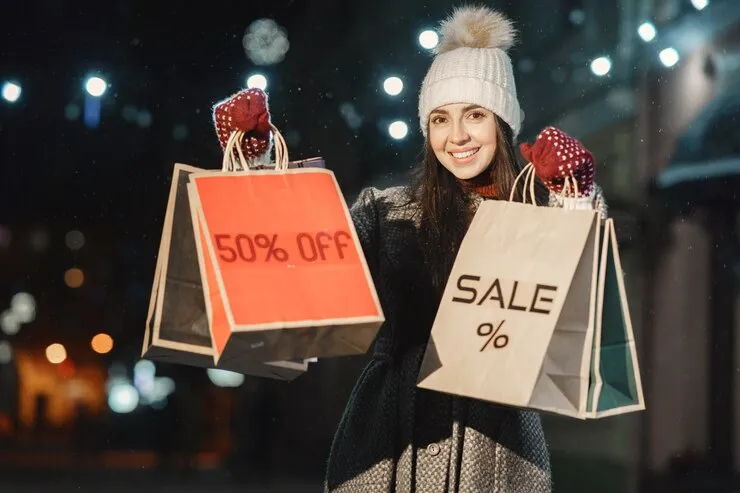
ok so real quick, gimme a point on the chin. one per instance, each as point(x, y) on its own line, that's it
point(469, 175)
point(467, 171)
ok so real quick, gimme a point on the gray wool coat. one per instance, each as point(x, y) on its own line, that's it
point(396, 438)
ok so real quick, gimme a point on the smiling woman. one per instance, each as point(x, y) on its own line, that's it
point(394, 436)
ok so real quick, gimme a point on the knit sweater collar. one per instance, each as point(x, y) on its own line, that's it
point(482, 184)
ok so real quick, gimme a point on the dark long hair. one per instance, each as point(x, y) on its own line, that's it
point(445, 204)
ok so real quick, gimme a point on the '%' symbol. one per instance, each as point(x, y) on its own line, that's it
point(496, 341)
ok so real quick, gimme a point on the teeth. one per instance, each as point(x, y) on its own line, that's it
point(463, 155)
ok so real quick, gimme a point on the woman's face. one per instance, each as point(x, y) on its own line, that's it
point(463, 138)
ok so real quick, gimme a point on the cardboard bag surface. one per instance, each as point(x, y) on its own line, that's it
point(500, 308)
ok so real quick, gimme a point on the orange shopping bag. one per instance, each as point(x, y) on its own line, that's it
point(259, 270)
point(177, 327)
point(289, 279)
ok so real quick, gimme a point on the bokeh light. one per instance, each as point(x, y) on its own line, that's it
point(56, 353)
point(265, 42)
point(428, 39)
point(6, 352)
point(647, 31)
point(258, 81)
point(123, 398)
point(102, 343)
point(74, 239)
point(669, 57)
point(9, 322)
point(601, 66)
point(23, 306)
point(95, 86)
point(393, 86)
point(398, 130)
point(11, 92)
point(74, 277)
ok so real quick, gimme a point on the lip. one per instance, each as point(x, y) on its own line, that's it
point(465, 159)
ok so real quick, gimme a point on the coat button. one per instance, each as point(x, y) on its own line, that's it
point(433, 449)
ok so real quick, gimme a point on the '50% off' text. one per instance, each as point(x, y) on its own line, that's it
point(311, 247)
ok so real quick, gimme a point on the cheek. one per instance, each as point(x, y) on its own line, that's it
point(485, 135)
point(438, 141)
point(488, 152)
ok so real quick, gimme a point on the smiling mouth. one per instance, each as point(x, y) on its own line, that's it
point(465, 154)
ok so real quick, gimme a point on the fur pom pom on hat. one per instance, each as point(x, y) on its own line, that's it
point(471, 66)
point(471, 27)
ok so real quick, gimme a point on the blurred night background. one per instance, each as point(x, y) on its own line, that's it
point(651, 87)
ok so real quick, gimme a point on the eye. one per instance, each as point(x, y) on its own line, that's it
point(438, 119)
point(476, 115)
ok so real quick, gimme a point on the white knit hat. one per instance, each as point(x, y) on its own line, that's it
point(471, 66)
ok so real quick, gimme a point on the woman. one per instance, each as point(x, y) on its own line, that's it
point(395, 437)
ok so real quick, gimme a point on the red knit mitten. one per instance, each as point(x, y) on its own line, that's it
point(247, 111)
point(556, 155)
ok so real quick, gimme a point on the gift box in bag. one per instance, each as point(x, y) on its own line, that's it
point(535, 315)
point(177, 326)
point(281, 269)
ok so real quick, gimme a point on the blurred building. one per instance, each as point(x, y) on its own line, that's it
point(658, 105)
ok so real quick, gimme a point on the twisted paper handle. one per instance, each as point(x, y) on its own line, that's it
point(529, 177)
point(234, 159)
point(528, 173)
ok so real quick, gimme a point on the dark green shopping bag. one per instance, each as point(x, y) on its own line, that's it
point(615, 386)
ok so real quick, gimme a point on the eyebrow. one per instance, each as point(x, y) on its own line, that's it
point(467, 108)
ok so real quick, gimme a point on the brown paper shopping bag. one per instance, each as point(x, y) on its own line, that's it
point(177, 327)
point(522, 319)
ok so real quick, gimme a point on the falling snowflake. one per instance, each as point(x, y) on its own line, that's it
point(265, 42)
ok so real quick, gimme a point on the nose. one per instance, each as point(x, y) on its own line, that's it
point(459, 134)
